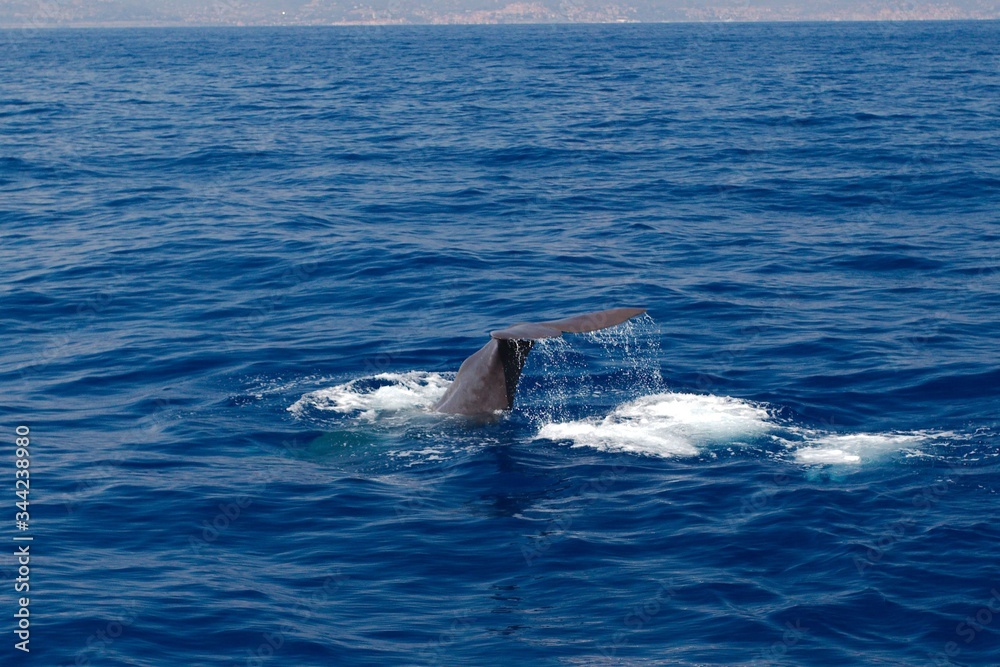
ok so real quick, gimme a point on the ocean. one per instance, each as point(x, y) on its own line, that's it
point(239, 267)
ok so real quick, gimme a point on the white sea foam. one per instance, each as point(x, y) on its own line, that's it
point(825, 455)
point(854, 447)
point(369, 397)
point(663, 424)
point(675, 424)
point(667, 424)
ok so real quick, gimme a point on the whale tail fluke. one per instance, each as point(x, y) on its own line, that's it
point(487, 380)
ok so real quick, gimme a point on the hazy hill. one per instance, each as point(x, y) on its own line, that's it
point(44, 13)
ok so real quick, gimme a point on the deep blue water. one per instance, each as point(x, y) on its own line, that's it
point(238, 265)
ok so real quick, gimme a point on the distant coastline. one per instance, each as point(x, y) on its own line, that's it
point(356, 24)
point(29, 14)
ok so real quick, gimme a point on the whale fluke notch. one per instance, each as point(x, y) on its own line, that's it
point(487, 380)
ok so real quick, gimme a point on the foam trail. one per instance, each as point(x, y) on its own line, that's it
point(383, 422)
point(677, 424)
point(370, 397)
point(851, 448)
point(666, 424)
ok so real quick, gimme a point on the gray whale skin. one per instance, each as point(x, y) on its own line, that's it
point(487, 380)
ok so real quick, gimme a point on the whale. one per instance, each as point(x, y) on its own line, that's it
point(487, 381)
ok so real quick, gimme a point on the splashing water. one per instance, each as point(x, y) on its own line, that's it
point(635, 347)
point(370, 398)
point(641, 417)
point(561, 375)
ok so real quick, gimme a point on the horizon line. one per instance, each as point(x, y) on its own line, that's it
point(390, 23)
